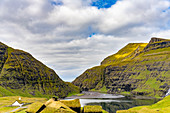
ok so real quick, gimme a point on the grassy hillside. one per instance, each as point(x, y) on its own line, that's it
point(138, 68)
point(162, 106)
point(21, 74)
point(91, 78)
point(125, 54)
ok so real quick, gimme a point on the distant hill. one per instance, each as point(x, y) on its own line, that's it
point(21, 74)
point(138, 68)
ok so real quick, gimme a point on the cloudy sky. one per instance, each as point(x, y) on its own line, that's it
point(70, 36)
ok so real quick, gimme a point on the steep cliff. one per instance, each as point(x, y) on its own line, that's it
point(22, 74)
point(138, 68)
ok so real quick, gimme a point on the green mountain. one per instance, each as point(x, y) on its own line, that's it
point(138, 68)
point(21, 74)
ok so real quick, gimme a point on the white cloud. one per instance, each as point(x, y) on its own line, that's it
point(130, 13)
point(58, 35)
point(162, 34)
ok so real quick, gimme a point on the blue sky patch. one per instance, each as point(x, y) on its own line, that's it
point(103, 3)
point(92, 34)
point(56, 3)
point(166, 9)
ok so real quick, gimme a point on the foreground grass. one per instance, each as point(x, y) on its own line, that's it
point(5, 102)
point(21, 110)
point(6, 109)
point(35, 103)
point(93, 109)
point(162, 106)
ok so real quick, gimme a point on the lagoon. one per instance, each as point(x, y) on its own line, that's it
point(112, 102)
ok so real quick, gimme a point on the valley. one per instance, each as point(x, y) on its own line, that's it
point(137, 75)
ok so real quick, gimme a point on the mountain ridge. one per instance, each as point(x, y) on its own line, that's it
point(22, 74)
point(137, 68)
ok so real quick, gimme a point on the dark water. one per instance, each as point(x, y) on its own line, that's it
point(112, 103)
point(121, 104)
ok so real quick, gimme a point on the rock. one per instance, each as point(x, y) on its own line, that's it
point(168, 93)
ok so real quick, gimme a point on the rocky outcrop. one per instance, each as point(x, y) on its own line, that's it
point(21, 72)
point(156, 43)
point(138, 68)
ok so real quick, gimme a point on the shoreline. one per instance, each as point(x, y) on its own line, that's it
point(96, 94)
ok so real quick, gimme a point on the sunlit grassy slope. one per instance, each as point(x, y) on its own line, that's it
point(162, 106)
point(125, 54)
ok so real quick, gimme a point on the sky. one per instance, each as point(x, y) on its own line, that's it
point(71, 36)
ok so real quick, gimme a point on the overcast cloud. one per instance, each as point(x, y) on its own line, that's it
point(72, 35)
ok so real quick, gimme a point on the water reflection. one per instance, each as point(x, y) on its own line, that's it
point(113, 105)
point(96, 101)
point(110, 102)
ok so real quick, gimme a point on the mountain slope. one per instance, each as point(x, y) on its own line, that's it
point(22, 74)
point(138, 68)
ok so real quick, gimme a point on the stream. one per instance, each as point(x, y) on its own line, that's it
point(111, 102)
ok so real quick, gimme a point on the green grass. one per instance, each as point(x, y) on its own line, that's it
point(7, 109)
point(5, 102)
point(52, 106)
point(22, 74)
point(26, 93)
point(10, 49)
point(72, 103)
point(102, 90)
point(53, 110)
point(93, 109)
point(5, 92)
point(125, 93)
point(80, 94)
point(124, 54)
point(21, 110)
point(34, 107)
point(74, 93)
point(36, 103)
point(162, 106)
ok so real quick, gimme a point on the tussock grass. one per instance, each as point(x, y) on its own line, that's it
point(53, 110)
point(51, 107)
point(57, 107)
point(93, 109)
point(33, 108)
point(72, 103)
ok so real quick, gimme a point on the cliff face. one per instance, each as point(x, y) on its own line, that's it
point(22, 74)
point(138, 68)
